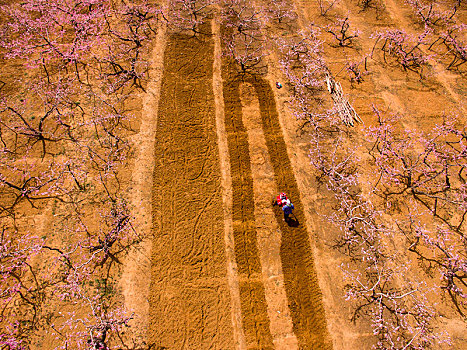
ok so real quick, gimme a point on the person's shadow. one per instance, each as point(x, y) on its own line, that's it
point(292, 221)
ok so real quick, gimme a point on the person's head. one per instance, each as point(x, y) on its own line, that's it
point(283, 195)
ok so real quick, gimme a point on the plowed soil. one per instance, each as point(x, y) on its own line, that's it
point(304, 297)
point(189, 298)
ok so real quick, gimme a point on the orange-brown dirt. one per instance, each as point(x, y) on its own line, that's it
point(219, 268)
point(226, 270)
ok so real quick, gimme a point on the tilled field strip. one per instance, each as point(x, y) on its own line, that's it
point(301, 284)
point(232, 276)
point(190, 299)
point(268, 232)
point(253, 302)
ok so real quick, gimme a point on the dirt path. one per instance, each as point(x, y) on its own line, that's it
point(189, 300)
point(138, 265)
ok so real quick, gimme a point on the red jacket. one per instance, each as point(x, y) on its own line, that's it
point(279, 199)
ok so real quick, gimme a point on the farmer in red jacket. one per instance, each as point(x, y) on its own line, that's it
point(285, 203)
